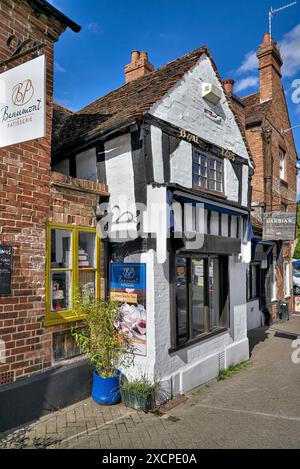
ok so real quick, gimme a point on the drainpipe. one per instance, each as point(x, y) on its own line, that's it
point(268, 168)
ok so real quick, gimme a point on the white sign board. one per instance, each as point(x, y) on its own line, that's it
point(23, 103)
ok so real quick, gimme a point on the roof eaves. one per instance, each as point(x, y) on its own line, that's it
point(49, 9)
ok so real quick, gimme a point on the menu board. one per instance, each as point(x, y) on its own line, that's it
point(5, 269)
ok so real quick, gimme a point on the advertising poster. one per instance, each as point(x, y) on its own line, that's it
point(297, 304)
point(128, 286)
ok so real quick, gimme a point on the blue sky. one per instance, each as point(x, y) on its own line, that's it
point(91, 63)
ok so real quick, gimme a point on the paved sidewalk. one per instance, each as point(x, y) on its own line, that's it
point(258, 407)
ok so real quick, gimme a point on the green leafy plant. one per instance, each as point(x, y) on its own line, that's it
point(223, 374)
point(99, 337)
point(142, 385)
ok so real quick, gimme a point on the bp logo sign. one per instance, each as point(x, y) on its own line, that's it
point(22, 93)
point(22, 103)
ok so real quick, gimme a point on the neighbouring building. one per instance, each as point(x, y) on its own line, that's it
point(165, 143)
point(265, 117)
point(34, 329)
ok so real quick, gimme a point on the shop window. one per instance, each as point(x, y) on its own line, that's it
point(208, 171)
point(72, 269)
point(201, 297)
point(253, 281)
point(282, 164)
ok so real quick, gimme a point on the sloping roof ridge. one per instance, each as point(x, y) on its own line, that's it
point(134, 84)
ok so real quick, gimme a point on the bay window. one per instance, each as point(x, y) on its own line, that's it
point(201, 296)
point(72, 269)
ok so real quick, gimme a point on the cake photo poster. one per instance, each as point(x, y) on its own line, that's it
point(128, 286)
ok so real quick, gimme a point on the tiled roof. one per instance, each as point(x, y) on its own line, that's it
point(121, 105)
point(255, 110)
point(125, 104)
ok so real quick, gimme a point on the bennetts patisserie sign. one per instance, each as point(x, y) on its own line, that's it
point(22, 103)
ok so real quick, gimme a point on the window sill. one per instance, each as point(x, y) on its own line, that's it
point(199, 339)
point(209, 192)
point(62, 320)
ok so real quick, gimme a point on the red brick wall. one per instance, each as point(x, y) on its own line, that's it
point(24, 205)
point(27, 202)
point(276, 118)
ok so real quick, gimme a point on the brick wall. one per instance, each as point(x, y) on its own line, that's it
point(24, 205)
point(29, 197)
point(276, 118)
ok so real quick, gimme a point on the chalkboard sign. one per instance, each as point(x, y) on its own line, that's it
point(5, 269)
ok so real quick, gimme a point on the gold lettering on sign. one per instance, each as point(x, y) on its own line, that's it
point(228, 154)
point(188, 136)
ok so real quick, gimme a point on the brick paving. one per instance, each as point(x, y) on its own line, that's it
point(258, 407)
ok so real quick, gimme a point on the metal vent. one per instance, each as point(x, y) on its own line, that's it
point(7, 377)
point(221, 361)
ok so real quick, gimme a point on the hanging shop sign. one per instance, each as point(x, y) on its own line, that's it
point(23, 103)
point(5, 269)
point(128, 286)
point(279, 226)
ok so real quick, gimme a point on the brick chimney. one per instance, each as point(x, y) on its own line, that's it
point(228, 85)
point(138, 67)
point(270, 63)
point(237, 105)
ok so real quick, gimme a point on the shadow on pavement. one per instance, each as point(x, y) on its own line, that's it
point(256, 336)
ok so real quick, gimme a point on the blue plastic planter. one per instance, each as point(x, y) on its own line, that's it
point(106, 391)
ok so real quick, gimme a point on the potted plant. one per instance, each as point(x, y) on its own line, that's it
point(104, 344)
point(140, 394)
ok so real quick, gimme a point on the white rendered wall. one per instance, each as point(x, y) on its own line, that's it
point(120, 181)
point(181, 161)
point(245, 184)
point(184, 107)
point(231, 182)
point(255, 318)
point(185, 369)
point(156, 143)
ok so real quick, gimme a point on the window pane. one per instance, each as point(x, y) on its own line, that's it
point(86, 253)
point(60, 291)
point(181, 300)
point(212, 185)
point(196, 168)
point(61, 249)
point(197, 281)
point(214, 293)
point(87, 284)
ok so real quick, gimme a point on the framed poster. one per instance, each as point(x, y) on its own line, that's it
point(127, 284)
point(5, 270)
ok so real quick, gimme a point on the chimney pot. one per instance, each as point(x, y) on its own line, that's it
point(267, 38)
point(138, 67)
point(228, 85)
point(135, 55)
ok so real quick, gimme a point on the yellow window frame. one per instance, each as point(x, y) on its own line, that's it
point(53, 318)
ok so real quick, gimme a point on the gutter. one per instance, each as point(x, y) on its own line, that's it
point(49, 9)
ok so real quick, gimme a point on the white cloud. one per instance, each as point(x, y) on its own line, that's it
point(250, 63)
point(59, 68)
point(245, 83)
point(94, 28)
point(290, 50)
